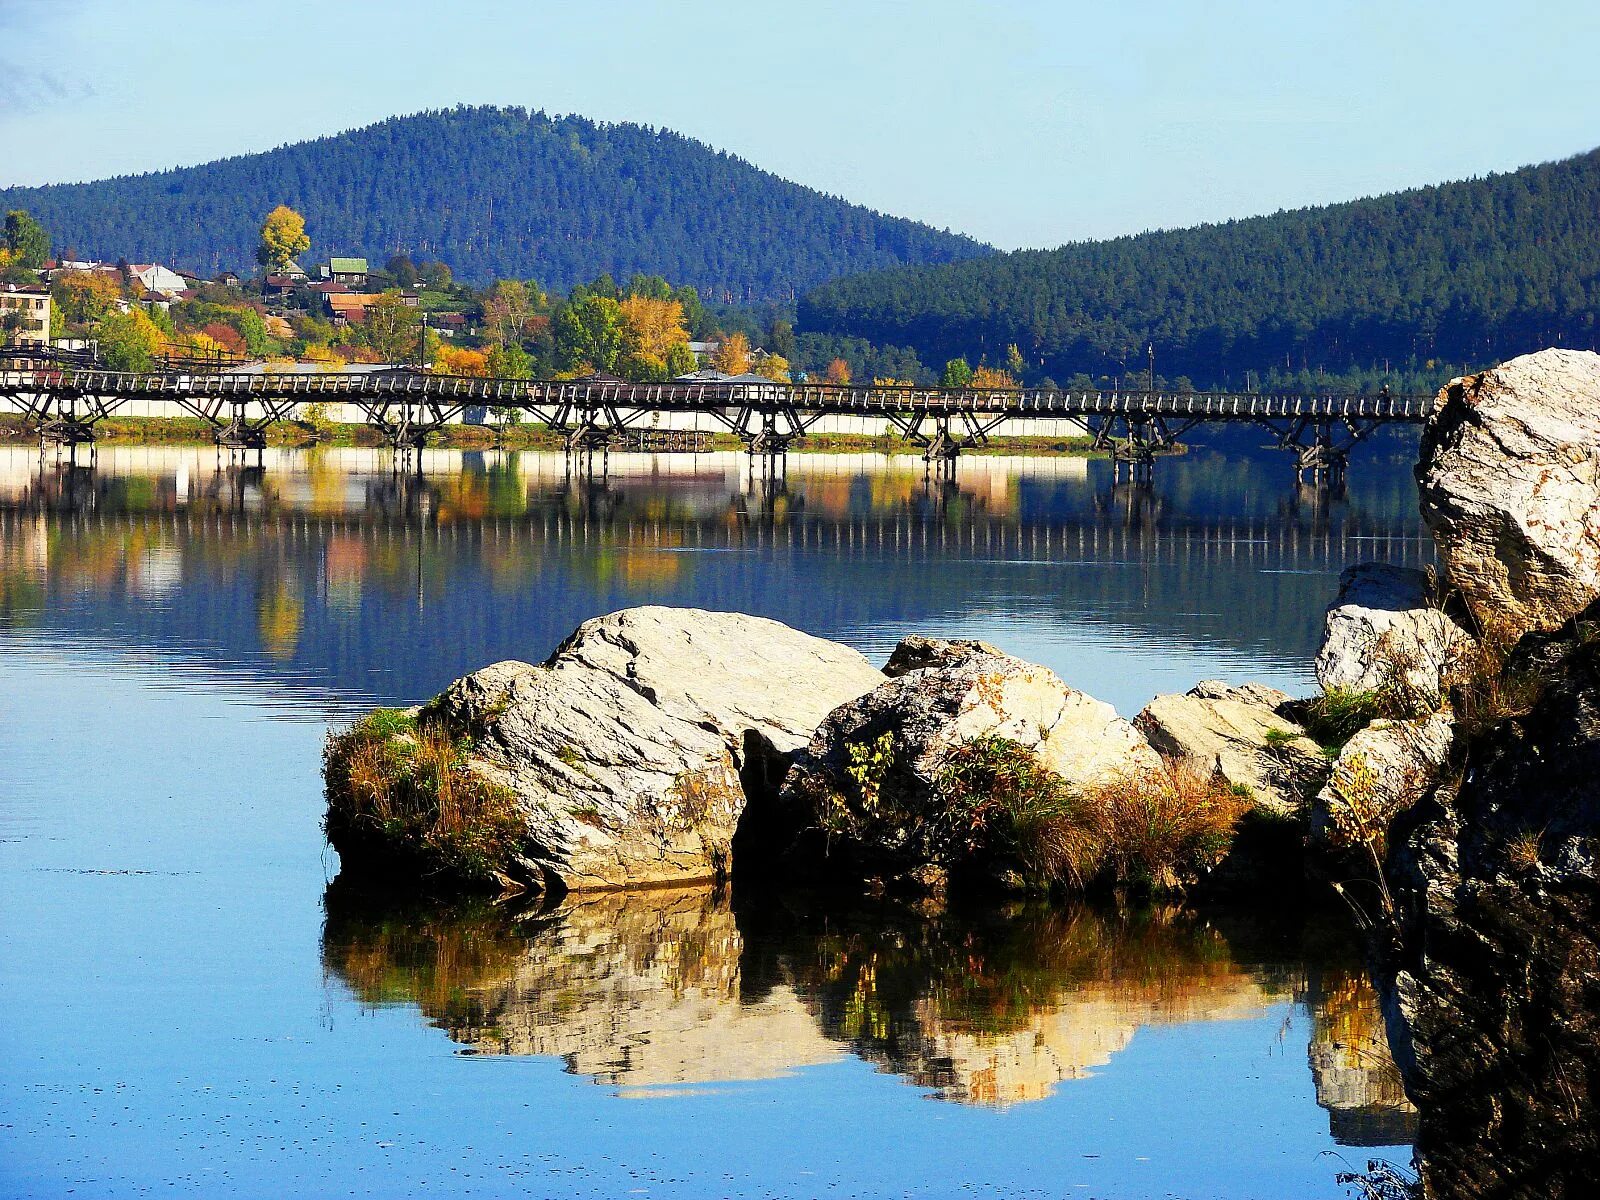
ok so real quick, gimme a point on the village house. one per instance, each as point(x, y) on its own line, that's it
point(153, 277)
point(349, 307)
point(349, 271)
point(25, 315)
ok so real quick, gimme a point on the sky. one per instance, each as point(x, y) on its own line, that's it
point(1020, 123)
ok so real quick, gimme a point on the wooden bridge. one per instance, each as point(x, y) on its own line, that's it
point(63, 401)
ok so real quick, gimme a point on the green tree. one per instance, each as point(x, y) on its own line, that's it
point(957, 374)
point(510, 361)
point(283, 235)
point(680, 360)
point(402, 270)
point(390, 329)
point(1014, 363)
point(589, 332)
point(435, 275)
point(780, 338)
point(26, 241)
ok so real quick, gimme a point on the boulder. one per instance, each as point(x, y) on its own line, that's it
point(628, 753)
point(872, 774)
point(1238, 732)
point(1381, 772)
point(1495, 975)
point(1510, 487)
point(1384, 632)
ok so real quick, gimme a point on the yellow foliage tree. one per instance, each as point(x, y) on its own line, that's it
point(459, 360)
point(650, 328)
point(774, 367)
point(733, 356)
point(86, 296)
point(991, 377)
point(838, 372)
point(283, 235)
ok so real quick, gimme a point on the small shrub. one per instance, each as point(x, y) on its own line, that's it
point(403, 791)
point(1280, 737)
point(1522, 852)
point(1483, 689)
point(1003, 804)
point(1338, 714)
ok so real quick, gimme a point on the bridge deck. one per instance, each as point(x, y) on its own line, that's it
point(704, 396)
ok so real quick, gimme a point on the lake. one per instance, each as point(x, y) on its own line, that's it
point(197, 1008)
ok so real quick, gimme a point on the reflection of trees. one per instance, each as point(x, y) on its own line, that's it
point(998, 1010)
point(674, 987)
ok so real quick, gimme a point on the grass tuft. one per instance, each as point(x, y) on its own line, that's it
point(400, 790)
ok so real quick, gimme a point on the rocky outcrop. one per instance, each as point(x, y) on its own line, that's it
point(873, 778)
point(1496, 994)
point(1386, 633)
point(629, 753)
point(1510, 483)
point(1239, 733)
point(1380, 772)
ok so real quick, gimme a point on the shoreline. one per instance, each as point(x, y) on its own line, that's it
point(192, 431)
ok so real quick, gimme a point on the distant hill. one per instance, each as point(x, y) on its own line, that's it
point(1460, 273)
point(500, 192)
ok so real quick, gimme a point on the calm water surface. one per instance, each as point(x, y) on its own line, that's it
point(194, 1011)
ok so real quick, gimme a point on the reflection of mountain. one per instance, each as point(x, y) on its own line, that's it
point(328, 569)
point(673, 988)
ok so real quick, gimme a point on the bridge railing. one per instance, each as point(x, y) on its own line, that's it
point(683, 395)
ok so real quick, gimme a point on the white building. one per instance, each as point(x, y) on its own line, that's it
point(24, 315)
point(157, 278)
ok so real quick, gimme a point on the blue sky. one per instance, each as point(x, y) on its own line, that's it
point(1025, 124)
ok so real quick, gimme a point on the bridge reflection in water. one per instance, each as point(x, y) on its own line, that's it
point(326, 570)
point(671, 991)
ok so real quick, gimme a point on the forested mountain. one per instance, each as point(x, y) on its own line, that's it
point(1462, 273)
point(499, 192)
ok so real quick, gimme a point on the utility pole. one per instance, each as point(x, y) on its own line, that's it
point(1151, 350)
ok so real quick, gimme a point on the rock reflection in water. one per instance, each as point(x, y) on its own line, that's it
point(675, 988)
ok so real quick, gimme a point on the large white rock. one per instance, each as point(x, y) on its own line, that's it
point(1237, 732)
point(1384, 630)
point(625, 748)
point(1510, 487)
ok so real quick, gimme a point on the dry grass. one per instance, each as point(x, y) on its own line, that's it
point(1483, 690)
point(1151, 830)
point(1157, 829)
point(402, 791)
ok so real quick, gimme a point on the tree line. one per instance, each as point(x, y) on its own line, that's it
point(1405, 287)
point(501, 193)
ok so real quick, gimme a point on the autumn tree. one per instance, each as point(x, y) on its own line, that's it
point(774, 367)
point(991, 377)
point(27, 243)
point(459, 360)
point(589, 333)
point(390, 328)
point(733, 355)
point(283, 235)
point(837, 372)
point(85, 296)
point(507, 310)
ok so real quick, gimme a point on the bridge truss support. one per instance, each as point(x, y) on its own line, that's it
point(1134, 440)
point(943, 436)
point(770, 430)
point(63, 418)
point(1321, 446)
